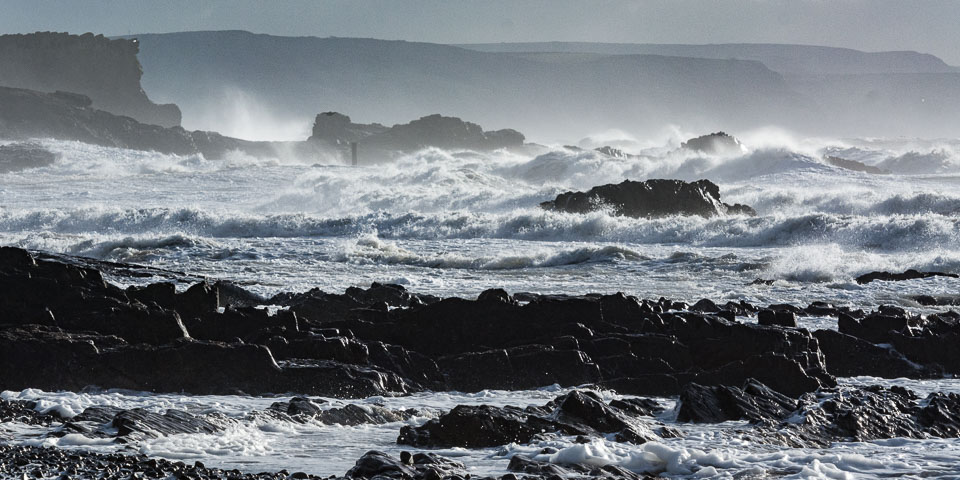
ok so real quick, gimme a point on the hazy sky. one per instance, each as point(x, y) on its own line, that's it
point(929, 26)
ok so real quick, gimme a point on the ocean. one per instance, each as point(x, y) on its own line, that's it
point(454, 223)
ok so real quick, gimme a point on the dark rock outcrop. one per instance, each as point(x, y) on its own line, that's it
point(872, 413)
point(780, 318)
point(301, 409)
point(21, 156)
point(832, 415)
point(105, 70)
point(137, 424)
point(579, 412)
point(74, 329)
point(25, 411)
point(754, 402)
point(718, 143)
point(30, 114)
point(895, 277)
point(850, 356)
point(336, 129)
point(64, 327)
point(613, 152)
point(924, 341)
point(652, 198)
point(419, 466)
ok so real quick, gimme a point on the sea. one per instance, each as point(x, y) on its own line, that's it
point(454, 223)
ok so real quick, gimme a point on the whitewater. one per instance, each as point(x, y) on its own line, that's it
point(455, 223)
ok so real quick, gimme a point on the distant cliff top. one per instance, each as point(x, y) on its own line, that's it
point(103, 69)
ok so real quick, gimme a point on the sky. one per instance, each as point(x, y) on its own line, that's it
point(928, 26)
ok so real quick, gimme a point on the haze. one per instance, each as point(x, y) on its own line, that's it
point(928, 26)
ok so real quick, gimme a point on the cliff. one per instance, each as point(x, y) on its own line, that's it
point(68, 116)
point(107, 71)
point(28, 114)
point(293, 78)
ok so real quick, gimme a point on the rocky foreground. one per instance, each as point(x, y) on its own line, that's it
point(64, 327)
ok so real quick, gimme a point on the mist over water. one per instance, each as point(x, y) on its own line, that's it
point(458, 222)
point(235, 112)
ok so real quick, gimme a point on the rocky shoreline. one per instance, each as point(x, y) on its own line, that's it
point(66, 328)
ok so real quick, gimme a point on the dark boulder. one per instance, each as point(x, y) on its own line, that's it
point(754, 402)
point(652, 198)
point(419, 466)
point(780, 318)
point(907, 275)
point(579, 412)
point(473, 427)
point(718, 143)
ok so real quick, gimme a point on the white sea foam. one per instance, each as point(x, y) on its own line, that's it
point(724, 450)
point(455, 223)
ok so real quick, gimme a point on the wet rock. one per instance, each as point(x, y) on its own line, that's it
point(780, 318)
point(27, 462)
point(25, 411)
point(579, 412)
point(613, 152)
point(875, 412)
point(895, 277)
point(301, 409)
point(821, 309)
point(754, 402)
point(718, 143)
point(419, 466)
point(849, 356)
point(138, 424)
point(652, 198)
point(524, 464)
point(473, 427)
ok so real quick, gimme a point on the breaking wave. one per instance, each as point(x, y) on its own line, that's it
point(180, 227)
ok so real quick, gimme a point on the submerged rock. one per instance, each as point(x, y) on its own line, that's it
point(854, 165)
point(22, 156)
point(652, 198)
